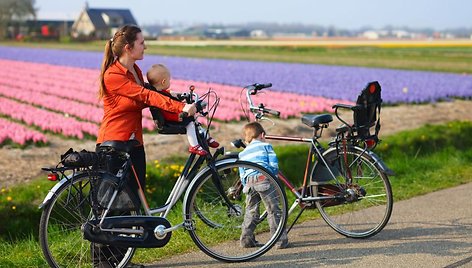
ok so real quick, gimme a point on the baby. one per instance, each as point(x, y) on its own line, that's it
point(158, 77)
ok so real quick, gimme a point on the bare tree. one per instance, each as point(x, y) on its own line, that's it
point(14, 12)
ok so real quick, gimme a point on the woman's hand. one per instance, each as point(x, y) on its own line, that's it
point(190, 109)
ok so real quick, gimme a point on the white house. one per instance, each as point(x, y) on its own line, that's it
point(100, 23)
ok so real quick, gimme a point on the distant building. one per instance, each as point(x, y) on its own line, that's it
point(100, 23)
point(39, 29)
point(370, 34)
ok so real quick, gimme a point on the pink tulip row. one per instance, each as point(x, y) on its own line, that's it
point(83, 82)
point(46, 120)
point(68, 107)
point(24, 82)
point(10, 131)
point(69, 93)
point(65, 82)
point(233, 98)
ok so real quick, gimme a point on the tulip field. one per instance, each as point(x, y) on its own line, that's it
point(55, 91)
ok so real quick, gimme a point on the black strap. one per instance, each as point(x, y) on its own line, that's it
point(162, 92)
point(377, 125)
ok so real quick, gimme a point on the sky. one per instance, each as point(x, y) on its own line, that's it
point(346, 14)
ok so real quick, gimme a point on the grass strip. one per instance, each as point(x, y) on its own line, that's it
point(440, 58)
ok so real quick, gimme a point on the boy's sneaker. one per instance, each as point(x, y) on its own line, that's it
point(250, 244)
point(282, 244)
point(213, 143)
point(197, 149)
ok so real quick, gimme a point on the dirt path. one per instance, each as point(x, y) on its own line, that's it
point(22, 165)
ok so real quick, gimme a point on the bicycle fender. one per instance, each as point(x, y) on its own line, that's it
point(320, 172)
point(53, 190)
point(201, 172)
point(381, 164)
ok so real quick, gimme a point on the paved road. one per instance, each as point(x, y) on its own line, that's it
point(433, 230)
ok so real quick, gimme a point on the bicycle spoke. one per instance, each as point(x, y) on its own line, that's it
point(368, 199)
point(61, 223)
point(217, 228)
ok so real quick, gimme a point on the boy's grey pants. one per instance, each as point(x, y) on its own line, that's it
point(259, 189)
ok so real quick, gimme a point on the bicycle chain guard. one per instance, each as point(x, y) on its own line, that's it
point(116, 238)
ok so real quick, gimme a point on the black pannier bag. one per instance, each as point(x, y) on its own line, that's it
point(79, 159)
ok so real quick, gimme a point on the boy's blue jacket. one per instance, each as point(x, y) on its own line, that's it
point(261, 153)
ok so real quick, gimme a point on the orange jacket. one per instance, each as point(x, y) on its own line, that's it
point(123, 104)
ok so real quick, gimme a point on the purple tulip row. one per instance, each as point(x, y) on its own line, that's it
point(336, 82)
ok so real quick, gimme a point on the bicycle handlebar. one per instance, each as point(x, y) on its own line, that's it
point(192, 97)
point(260, 110)
point(267, 111)
point(252, 89)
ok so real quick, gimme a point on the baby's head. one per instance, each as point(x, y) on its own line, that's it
point(252, 131)
point(159, 76)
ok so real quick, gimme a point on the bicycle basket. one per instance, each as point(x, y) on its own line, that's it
point(367, 111)
point(79, 159)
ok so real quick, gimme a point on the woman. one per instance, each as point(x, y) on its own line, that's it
point(124, 97)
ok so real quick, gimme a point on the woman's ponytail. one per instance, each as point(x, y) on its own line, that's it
point(114, 48)
point(108, 59)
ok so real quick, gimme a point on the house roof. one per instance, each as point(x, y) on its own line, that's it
point(96, 17)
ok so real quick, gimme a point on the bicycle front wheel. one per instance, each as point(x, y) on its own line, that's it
point(60, 229)
point(361, 196)
point(230, 229)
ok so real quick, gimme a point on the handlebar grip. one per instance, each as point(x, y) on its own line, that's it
point(261, 86)
point(272, 112)
point(256, 87)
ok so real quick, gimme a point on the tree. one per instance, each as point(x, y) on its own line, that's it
point(14, 12)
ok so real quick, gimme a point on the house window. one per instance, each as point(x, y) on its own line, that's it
point(112, 19)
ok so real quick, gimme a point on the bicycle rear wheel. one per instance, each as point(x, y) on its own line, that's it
point(60, 229)
point(364, 201)
point(216, 227)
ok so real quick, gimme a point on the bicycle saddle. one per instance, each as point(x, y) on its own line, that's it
point(121, 146)
point(314, 120)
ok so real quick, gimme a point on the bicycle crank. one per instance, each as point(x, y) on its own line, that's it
point(128, 231)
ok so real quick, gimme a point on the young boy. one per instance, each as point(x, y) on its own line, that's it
point(262, 153)
point(158, 77)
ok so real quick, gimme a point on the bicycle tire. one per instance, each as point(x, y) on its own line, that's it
point(367, 202)
point(60, 234)
point(215, 228)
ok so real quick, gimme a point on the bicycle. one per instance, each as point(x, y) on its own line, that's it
point(91, 214)
point(346, 182)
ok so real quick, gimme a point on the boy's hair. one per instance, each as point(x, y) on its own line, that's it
point(157, 73)
point(252, 130)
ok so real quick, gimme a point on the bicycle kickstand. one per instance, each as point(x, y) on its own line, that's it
point(296, 218)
